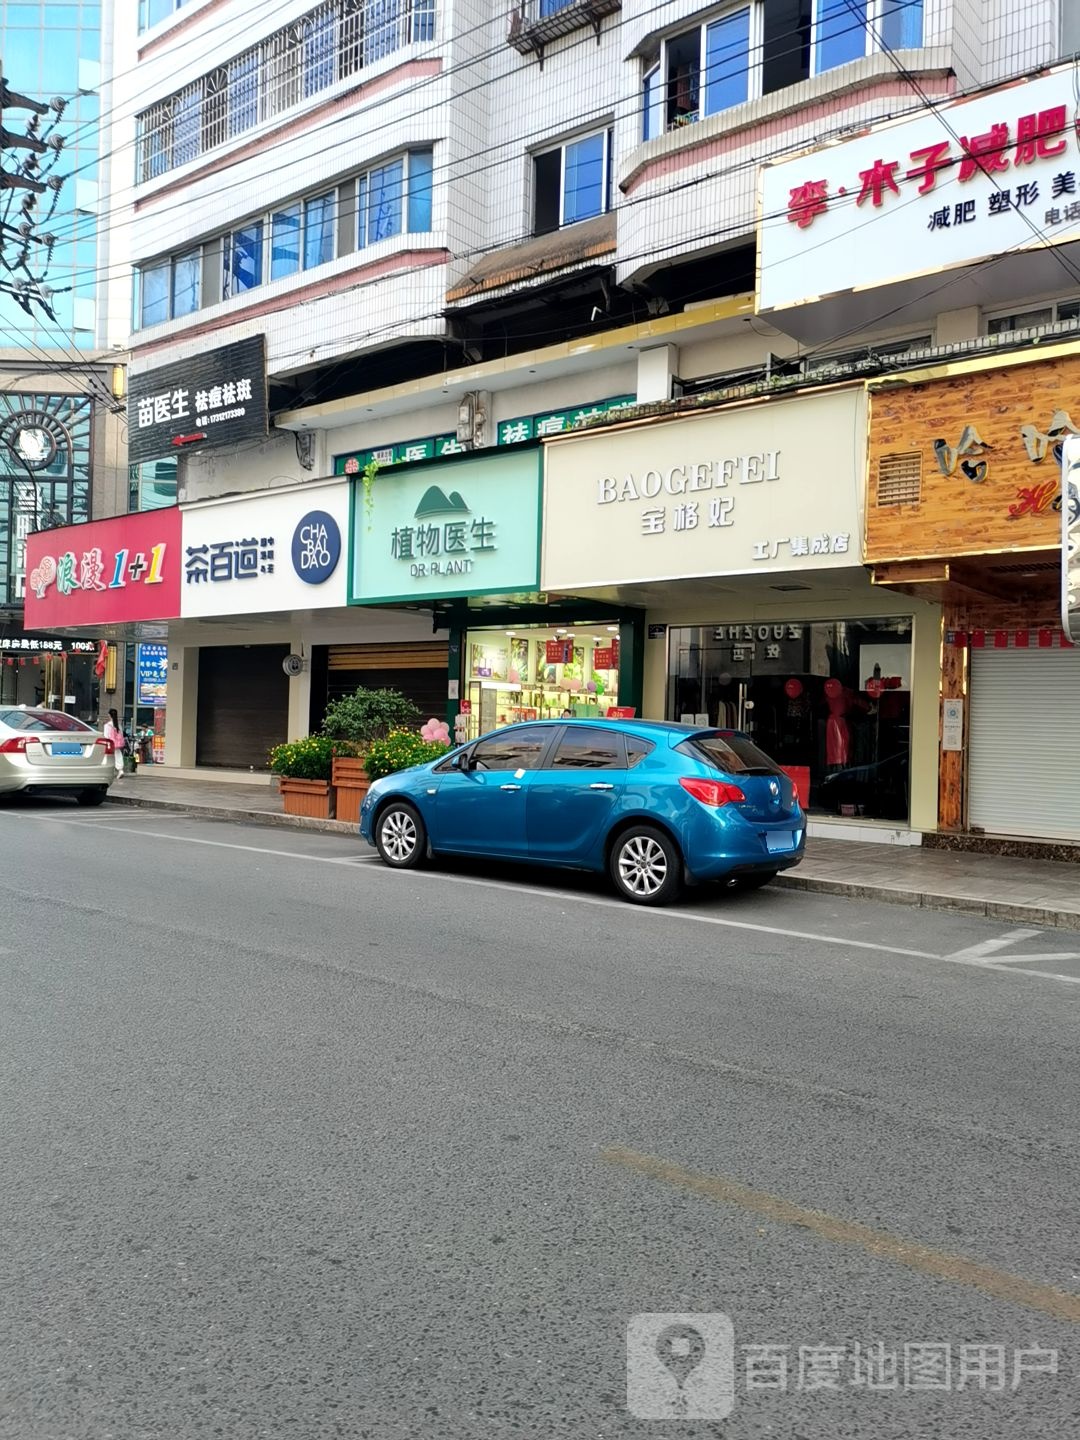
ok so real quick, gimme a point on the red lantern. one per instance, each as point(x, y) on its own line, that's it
point(874, 688)
point(833, 687)
point(793, 688)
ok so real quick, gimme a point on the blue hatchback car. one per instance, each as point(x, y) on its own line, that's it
point(655, 805)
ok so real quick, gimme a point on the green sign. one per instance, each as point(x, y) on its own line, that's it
point(510, 432)
point(467, 527)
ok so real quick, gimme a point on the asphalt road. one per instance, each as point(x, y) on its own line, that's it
point(294, 1146)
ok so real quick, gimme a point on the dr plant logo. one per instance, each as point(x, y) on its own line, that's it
point(679, 1366)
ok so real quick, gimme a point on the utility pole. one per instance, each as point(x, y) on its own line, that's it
point(28, 157)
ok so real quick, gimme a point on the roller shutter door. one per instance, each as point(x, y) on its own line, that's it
point(1024, 743)
point(243, 705)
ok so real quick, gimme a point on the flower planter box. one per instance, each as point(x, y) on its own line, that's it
point(311, 798)
point(351, 783)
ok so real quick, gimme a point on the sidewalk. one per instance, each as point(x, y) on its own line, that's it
point(1028, 892)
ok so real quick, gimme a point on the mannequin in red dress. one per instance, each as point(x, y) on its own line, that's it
point(837, 731)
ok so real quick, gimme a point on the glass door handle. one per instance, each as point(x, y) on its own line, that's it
point(601, 785)
point(509, 787)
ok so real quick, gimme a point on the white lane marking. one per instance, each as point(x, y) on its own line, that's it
point(960, 958)
point(194, 840)
point(986, 948)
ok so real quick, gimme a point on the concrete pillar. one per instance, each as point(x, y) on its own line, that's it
point(182, 711)
point(955, 326)
point(656, 369)
point(300, 693)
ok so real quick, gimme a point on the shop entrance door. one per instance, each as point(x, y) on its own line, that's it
point(54, 681)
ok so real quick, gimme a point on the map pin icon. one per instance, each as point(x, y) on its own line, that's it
point(680, 1349)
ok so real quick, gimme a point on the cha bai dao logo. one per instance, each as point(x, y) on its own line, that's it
point(316, 547)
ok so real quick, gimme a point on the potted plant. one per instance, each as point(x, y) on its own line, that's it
point(353, 723)
point(400, 750)
point(304, 769)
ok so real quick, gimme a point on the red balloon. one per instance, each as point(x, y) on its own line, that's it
point(793, 688)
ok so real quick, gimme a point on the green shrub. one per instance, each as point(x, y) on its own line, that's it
point(308, 759)
point(400, 750)
point(367, 715)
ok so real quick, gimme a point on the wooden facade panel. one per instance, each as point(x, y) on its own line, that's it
point(990, 468)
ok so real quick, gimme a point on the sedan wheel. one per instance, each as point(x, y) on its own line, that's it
point(401, 838)
point(645, 866)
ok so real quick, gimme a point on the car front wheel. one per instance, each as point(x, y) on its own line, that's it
point(400, 837)
point(645, 866)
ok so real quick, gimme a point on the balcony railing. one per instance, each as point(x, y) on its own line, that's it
point(337, 39)
point(537, 22)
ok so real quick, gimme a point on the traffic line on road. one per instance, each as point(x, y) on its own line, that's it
point(985, 948)
point(196, 840)
point(939, 1264)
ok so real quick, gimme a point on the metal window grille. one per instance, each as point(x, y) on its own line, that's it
point(900, 479)
point(331, 42)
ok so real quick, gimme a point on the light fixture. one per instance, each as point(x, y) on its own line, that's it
point(613, 629)
point(510, 633)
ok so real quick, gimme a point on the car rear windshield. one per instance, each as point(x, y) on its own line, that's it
point(41, 720)
point(727, 751)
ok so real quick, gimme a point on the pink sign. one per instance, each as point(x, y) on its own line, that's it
point(105, 572)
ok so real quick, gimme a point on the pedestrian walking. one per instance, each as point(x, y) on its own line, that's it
point(114, 733)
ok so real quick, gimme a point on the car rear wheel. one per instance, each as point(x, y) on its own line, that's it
point(95, 795)
point(400, 836)
point(645, 866)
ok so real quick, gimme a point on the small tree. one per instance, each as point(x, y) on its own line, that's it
point(367, 715)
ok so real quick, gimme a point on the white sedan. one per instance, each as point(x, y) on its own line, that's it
point(48, 750)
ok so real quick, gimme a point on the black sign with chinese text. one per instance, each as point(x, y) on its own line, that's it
point(213, 400)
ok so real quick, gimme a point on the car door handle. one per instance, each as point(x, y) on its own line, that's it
point(601, 785)
point(509, 787)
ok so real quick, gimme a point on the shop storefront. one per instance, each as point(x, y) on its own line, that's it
point(460, 538)
point(740, 530)
point(54, 671)
point(965, 507)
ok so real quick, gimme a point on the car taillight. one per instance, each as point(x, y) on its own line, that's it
point(712, 792)
point(17, 746)
point(109, 746)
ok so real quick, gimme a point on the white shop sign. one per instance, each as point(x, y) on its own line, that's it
point(277, 551)
point(769, 487)
point(910, 198)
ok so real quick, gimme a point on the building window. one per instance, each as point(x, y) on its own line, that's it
point(1034, 318)
point(153, 12)
point(700, 72)
point(394, 197)
point(285, 242)
point(846, 30)
point(328, 44)
point(319, 230)
point(152, 485)
point(243, 252)
point(572, 182)
point(186, 283)
point(390, 198)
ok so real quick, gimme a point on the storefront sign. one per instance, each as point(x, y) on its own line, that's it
point(273, 551)
point(509, 432)
point(1070, 538)
point(465, 527)
point(152, 675)
point(909, 199)
point(216, 398)
point(766, 487)
point(971, 463)
point(657, 632)
point(105, 572)
point(34, 645)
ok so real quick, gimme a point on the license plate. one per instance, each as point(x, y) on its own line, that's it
point(779, 840)
point(67, 749)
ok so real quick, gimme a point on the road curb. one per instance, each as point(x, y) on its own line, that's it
point(250, 817)
point(961, 904)
point(958, 904)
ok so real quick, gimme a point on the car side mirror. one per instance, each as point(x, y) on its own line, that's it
point(463, 761)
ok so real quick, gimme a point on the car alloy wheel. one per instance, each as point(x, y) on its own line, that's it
point(401, 835)
point(645, 867)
